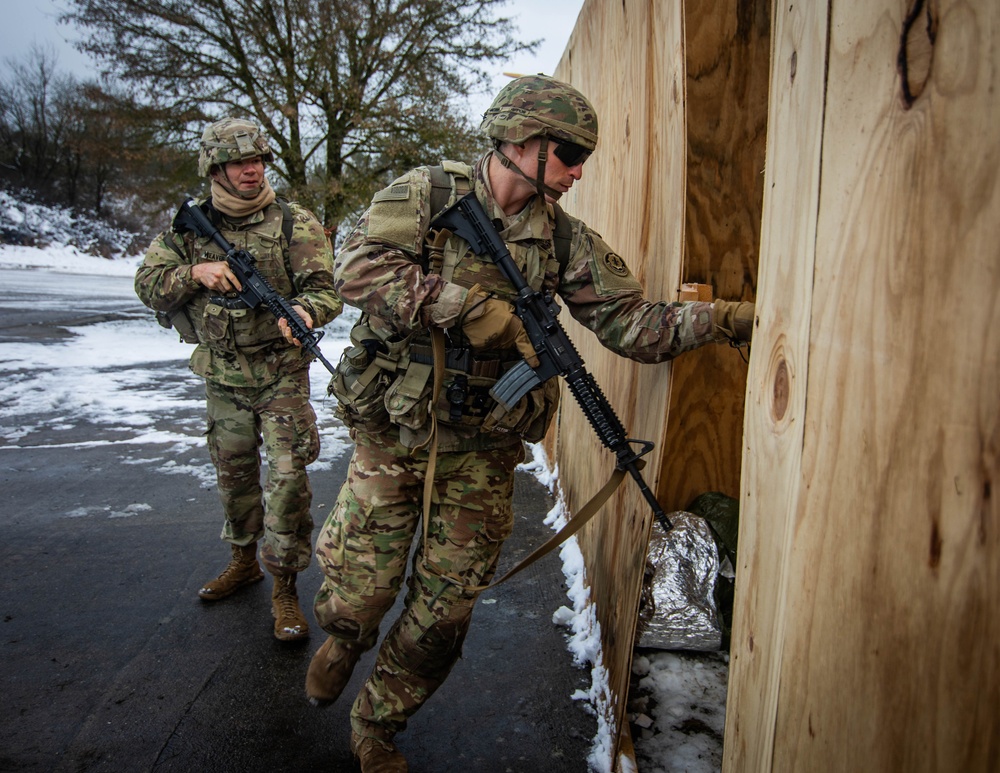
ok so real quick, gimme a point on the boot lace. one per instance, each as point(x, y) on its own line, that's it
point(287, 601)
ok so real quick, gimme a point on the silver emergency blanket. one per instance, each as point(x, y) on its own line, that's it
point(679, 610)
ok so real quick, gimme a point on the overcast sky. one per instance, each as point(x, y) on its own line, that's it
point(27, 22)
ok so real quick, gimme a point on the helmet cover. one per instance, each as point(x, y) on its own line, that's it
point(535, 105)
point(231, 139)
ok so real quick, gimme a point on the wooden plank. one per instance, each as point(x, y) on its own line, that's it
point(776, 392)
point(692, 291)
point(867, 634)
point(904, 394)
point(637, 192)
point(726, 55)
point(627, 58)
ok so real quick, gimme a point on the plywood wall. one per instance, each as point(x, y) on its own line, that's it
point(867, 628)
point(726, 58)
point(675, 187)
point(627, 58)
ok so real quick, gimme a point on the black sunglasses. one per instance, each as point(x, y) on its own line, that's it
point(569, 153)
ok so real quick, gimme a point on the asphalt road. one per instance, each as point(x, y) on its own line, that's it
point(110, 662)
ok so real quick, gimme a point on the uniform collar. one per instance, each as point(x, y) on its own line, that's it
point(534, 221)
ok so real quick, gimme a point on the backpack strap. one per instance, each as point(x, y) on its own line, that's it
point(286, 231)
point(449, 181)
point(173, 245)
point(447, 178)
point(440, 189)
point(562, 238)
point(286, 221)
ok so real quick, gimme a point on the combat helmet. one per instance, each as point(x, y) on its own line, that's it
point(231, 139)
point(534, 105)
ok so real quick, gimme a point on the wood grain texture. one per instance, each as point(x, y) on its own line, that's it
point(726, 53)
point(776, 384)
point(866, 634)
point(627, 58)
point(649, 184)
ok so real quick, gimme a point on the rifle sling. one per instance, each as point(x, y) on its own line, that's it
point(572, 526)
point(437, 349)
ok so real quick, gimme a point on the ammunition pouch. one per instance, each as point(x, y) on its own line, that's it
point(228, 324)
point(215, 326)
point(383, 381)
point(359, 385)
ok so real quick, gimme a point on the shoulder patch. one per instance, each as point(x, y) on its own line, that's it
point(610, 273)
point(392, 193)
point(615, 265)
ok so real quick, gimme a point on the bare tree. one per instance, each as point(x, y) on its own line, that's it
point(350, 91)
point(86, 147)
point(121, 156)
point(34, 121)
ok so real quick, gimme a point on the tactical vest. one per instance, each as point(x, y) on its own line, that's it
point(450, 181)
point(226, 324)
point(385, 380)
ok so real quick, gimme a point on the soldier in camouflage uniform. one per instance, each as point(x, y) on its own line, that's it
point(412, 282)
point(257, 379)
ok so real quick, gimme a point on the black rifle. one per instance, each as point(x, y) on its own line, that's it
point(556, 353)
point(255, 289)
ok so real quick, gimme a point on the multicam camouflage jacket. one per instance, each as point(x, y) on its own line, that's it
point(238, 346)
point(407, 279)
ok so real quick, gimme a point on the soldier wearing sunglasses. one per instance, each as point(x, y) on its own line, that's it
point(427, 301)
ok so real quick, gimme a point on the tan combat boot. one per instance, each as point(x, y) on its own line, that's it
point(330, 670)
point(243, 569)
point(376, 756)
point(289, 622)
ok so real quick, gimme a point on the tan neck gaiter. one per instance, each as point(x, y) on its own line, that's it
point(229, 203)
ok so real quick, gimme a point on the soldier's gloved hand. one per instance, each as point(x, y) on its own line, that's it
point(733, 320)
point(490, 323)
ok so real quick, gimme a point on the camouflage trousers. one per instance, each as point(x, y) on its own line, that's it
point(363, 549)
point(280, 417)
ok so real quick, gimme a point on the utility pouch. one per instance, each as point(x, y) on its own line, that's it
point(409, 396)
point(360, 386)
point(179, 320)
point(215, 322)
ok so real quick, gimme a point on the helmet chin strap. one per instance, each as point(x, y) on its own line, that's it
point(539, 181)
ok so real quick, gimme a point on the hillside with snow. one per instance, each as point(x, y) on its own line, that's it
point(25, 223)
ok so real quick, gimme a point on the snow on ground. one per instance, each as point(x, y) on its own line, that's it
point(126, 375)
point(113, 374)
point(680, 698)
